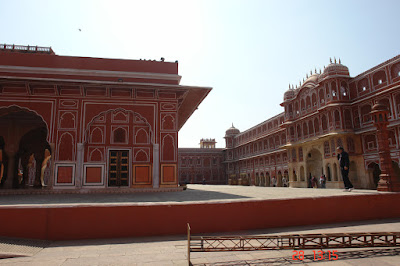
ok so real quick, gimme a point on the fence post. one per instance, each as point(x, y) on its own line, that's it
point(188, 244)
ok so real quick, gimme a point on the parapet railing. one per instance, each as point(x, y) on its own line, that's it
point(295, 241)
point(28, 49)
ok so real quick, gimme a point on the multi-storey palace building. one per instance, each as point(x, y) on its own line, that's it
point(328, 109)
point(202, 165)
point(90, 123)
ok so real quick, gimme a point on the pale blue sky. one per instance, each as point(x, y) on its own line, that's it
point(248, 51)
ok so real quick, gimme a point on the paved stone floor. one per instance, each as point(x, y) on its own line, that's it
point(194, 193)
point(171, 250)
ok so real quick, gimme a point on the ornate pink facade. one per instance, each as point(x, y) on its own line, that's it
point(328, 109)
point(106, 122)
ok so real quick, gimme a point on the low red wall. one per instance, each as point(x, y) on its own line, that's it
point(60, 223)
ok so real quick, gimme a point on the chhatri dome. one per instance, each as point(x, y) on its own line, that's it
point(232, 131)
point(335, 68)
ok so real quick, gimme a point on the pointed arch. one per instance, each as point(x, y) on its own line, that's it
point(16, 108)
point(66, 151)
point(141, 136)
point(168, 148)
point(135, 114)
point(141, 156)
point(96, 155)
point(120, 135)
point(97, 136)
point(67, 120)
point(168, 122)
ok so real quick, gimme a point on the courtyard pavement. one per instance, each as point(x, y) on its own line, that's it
point(194, 193)
point(172, 250)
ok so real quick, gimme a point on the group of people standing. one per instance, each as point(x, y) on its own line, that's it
point(26, 174)
point(344, 164)
point(313, 182)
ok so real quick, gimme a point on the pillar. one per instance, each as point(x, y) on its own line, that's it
point(156, 165)
point(388, 180)
point(53, 156)
point(79, 165)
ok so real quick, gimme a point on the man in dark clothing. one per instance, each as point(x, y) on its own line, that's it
point(344, 163)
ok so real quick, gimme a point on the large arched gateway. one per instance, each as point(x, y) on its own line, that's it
point(23, 136)
point(314, 166)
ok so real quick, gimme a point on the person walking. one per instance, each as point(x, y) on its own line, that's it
point(309, 181)
point(284, 181)
point(314, 182)
point(344, 164)
point(322, 181)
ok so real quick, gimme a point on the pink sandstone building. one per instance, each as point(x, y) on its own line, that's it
point(328, 109)
point(90, 124)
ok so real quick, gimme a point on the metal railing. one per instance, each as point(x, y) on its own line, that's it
point(27, 49)
point(295, 241)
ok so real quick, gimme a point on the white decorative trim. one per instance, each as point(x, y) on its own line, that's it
point(63, 105)
point(56, 174)
point(174, 147)
point(114, 114)
point(84, 72)
point(114, 128)
point(91, 149)
point(86, 126)
point(102, 129)
point(86, 165)
point(59, 144)
point(146, 151)
point(136, 133)
point(49, 125)
point(61, 114)
point(163, 118)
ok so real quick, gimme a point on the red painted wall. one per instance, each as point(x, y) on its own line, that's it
point(88, 63)
point(62, 223)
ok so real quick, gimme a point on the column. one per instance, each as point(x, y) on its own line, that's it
point(79, 165)
point(53, 172)
point(156, 165)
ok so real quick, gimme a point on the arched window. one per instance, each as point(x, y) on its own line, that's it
point(296, 108)
point(350, 145)
point(120, 135)
point(300, 154)
point(305, 130)
point(347, 119)
point(324, 123)
point(298, 132)
point(303, 105)
point(326, 148)
point(321, 96)
point(316, 125)
point(308, 102)
point(337, 119)
point(386, 102)
point(291, 133)
point(365, 113)
point(334, 89)
point(314, 100)
point(379, 78)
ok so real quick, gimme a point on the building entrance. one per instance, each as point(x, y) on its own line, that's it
point(314, 163)
point(118, 173)
point(23, 144)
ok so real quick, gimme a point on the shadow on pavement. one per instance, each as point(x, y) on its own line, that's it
point(189, 195)
point(344, 255)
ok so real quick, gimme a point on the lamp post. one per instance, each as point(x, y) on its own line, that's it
point(388, 180)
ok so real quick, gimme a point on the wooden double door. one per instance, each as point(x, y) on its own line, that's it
point(118, 171)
